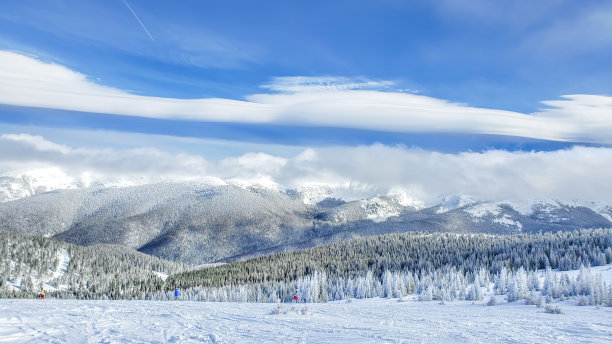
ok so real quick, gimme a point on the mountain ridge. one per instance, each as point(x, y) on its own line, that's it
point(198, 223)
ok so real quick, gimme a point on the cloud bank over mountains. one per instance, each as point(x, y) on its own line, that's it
point(356, 103)
point(579, 173)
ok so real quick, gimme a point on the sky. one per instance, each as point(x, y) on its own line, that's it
point(490, 99)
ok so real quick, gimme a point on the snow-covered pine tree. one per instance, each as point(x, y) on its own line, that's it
point(514, 289)
point(475, 293)
point(501, 281)
point(399, 289)
point(533, 281)
point(426, 294)
point(387, 284)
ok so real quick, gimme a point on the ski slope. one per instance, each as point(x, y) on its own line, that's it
point(360, 321)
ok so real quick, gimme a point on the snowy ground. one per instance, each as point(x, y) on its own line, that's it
point(361, 321)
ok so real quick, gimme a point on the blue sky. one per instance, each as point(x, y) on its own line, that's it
point(483, 53)
point(220, 80)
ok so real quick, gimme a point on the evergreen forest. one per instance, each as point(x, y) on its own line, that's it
point(434, 266)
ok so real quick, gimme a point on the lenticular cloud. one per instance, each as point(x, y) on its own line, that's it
point(339, 102)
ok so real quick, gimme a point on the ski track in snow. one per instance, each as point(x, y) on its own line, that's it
point(361, 321)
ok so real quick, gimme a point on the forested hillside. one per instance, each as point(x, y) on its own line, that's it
point(197, 223)
point(445, 266)
point(187, 222)
point(441, 266)
point(415, 252)
point(29, 263)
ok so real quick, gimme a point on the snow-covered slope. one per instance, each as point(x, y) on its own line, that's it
point(43, 278)
point(517, 214)
point(191, 222)
point(14, 186)
point(360, 321)
point(380, 208)
point(211, 220)
point(373, 320)
point(198, 222)
point(453, 202)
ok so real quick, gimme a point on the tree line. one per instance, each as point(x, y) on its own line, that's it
point(414, 252)
point(444, 266)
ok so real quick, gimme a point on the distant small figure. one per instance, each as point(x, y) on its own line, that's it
point(42, 294)
point(295, 298)
point(177, 293)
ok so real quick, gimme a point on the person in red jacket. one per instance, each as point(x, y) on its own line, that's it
point(295, 297)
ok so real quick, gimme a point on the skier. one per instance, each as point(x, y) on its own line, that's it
point(177, 293)
point(42, 294)
point(295, 297)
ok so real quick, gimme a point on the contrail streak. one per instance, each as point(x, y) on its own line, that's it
point(139, 21)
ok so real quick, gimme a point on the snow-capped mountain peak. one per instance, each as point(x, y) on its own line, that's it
point(454, 202)
point(405, 199)
point(313, 194)
point(380, 208)
point(19, 185)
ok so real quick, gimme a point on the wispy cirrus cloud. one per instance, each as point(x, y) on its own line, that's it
point(120, 27)
point(585, 30)
point(297, 84)
point(323, 102)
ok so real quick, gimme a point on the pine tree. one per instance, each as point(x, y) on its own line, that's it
point(514, 289)
point(475, 293)
point(27, 285)
point(387, 285)
point(501, 281)
point(534, 281)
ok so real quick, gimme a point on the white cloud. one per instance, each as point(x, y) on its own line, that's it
point(21, 153)
point(37, 142)
point(590, 116)
point(337, 102)
point(297, 84)
point(212, 149)
point(580, 173)
point(25, 81)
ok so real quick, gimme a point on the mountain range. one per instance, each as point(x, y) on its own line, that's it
point(199, 223)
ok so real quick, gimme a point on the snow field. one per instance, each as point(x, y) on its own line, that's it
point(374, 320)
point(360, 321)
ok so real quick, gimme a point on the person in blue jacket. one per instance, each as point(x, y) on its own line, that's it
point(177, 293)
